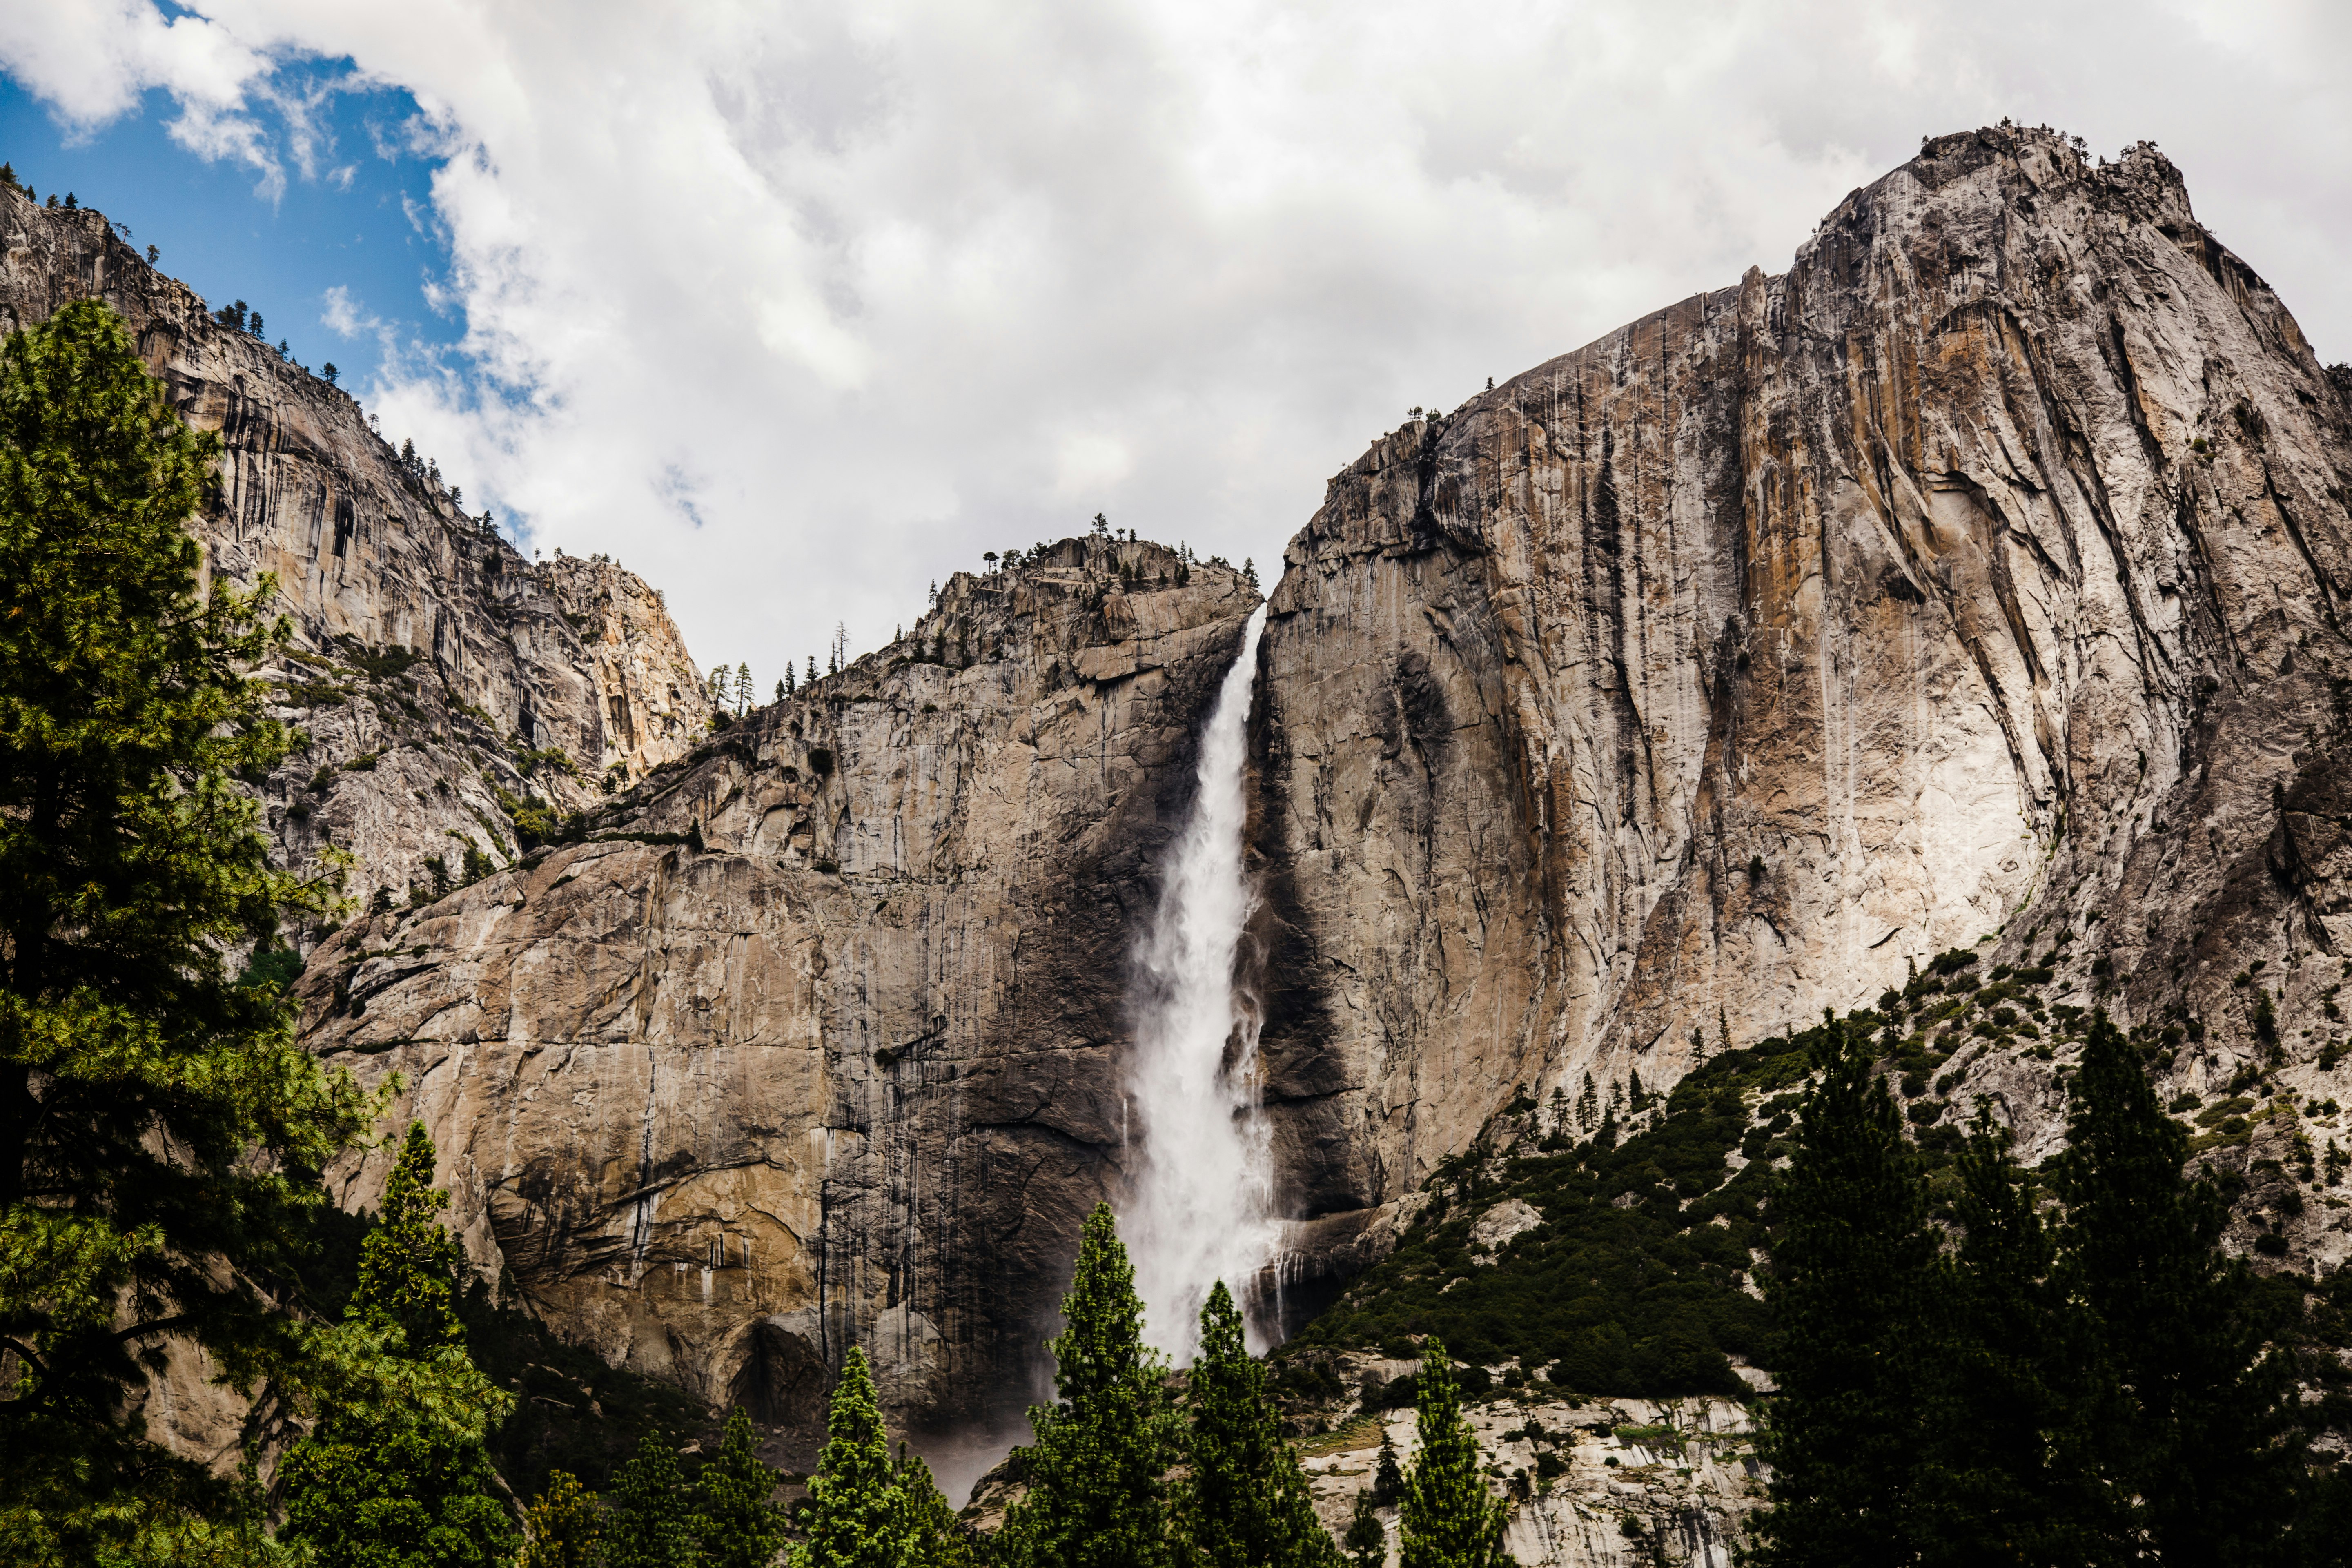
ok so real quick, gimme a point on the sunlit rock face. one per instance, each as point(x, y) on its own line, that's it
point(1979, 573)
point(572, 660)
point(821, 1038)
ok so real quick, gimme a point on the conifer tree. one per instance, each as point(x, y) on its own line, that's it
point(1094, 1495)
point(1246, 1502)
point(1851, 1264)
point(561, 1525)
point(857, 1516)
point(740, 1527)
point(1367, 1540)
point(2004, 1471)
point(161, 1133)
point(2194, 1431)
point(647, 1523)
point(742, 688)
point(399, 1475)
point(1388, 1476)
point(940, 1540)
point(1448, 1518)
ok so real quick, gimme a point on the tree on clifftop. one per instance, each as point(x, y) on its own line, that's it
point(161, 1134)
point(1095, 1496)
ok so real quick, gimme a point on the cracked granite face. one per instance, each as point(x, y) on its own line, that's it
point(1975, 579)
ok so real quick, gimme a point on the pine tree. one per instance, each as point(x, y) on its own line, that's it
point(1388, 1476)
point(2194, 1430)
point(1448, 1518)
point(397, 1475)
point(742, 688)
point(161, 1135)
point(1094, 1495)
point(2004, 1469)
point(561, 1525)
point(647, 1523)
point(1851, 1266)
point(1246, 1502)
point(1367, 1541)
point(941, 1538)
point(857, 1516)
point(739, 1526)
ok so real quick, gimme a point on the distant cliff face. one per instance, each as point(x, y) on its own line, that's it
point(1981, 575)
point(456, 675)
point(817, 1039)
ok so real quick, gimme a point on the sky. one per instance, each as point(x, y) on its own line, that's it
point(795, 309)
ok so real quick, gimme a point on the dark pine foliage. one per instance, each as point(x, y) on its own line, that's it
point(1853, 1263)
point(1629, 1288)
point(2193, 1419)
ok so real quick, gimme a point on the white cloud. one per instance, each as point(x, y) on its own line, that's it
point(795, 307)
point(343, 315)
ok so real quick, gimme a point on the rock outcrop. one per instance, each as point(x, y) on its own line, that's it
point(439, 675)
point(1978, 579)
point(814, 1038)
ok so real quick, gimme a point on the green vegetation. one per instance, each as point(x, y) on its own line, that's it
point(1245, 1500)
point(1853, 1262)
point(396, 1473)
point(1632, 1284)
point(740, 1527)
point(1095, 1499)
point(856, 1515)
point(161, 1134)
point(648, 1522)
point(1448, 1517)
point(2100, 1385)
point(561, 1526)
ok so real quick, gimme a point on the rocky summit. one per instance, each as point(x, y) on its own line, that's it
point(1976, 585)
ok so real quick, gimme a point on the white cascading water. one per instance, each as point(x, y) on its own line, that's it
point(1203, 1205)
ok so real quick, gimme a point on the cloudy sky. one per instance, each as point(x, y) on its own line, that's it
point(795, 308)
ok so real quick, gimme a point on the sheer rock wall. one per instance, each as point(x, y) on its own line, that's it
point(372, 556)
point(1982, 573)
point(829, 1051)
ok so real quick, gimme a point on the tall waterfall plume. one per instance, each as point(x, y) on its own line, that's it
point(1203, 1206)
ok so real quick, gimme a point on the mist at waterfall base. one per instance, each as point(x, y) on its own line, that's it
point(1202, 1207)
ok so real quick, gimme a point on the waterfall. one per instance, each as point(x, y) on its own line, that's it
point(1202, 1205)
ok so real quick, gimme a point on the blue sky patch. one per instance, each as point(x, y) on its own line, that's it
point(344, 232)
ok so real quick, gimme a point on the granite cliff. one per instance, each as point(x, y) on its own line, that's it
point(814, 1038)
point(1978, 579)
point(1975, 577)
point(444, 679)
